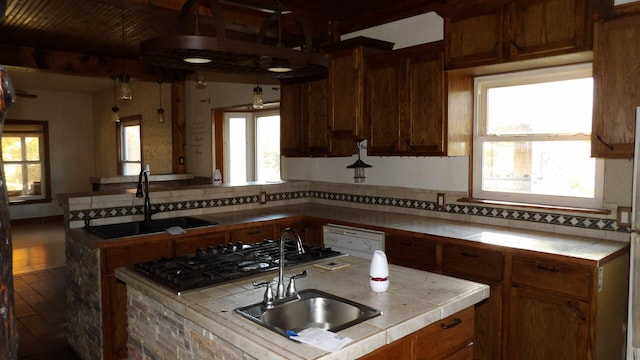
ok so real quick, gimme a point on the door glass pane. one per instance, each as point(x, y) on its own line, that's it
point(131, 143)
point(237, 150)
point(268, 148)
point(131, 168)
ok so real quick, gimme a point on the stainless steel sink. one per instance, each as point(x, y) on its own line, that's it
point(313, 308)
point(113, 231)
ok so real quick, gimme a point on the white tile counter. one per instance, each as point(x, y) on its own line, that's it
point(415, 299)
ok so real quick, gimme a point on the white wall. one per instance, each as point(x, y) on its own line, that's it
point(415, 30)
point(219, 94)
point(70, 117)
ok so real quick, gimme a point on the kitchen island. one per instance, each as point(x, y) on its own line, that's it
point(202, 323)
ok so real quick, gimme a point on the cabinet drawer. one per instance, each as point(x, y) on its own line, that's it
point(252, 235)
point(188, 245)
point(133, 254)
point(554, 276)
point(446, 337)
point(414, 252)
point(472, 263)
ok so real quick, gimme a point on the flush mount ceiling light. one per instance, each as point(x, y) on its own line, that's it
point(221, 54)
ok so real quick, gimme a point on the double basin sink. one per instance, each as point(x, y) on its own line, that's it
point(312, 308)
point(114, 231)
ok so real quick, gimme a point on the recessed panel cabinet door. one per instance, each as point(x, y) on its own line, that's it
point(474, 36)
point(383, 102)
point(546, 326)
point(616, 85)
point(292, 120)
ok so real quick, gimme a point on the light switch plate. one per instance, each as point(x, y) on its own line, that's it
point(441, 201)
point(263, 197)
point(624, 216)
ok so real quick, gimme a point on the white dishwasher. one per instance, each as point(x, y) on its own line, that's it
point(353, 241)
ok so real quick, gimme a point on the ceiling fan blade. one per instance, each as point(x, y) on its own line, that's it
point(25, 94)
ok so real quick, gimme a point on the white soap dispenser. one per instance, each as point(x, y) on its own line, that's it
point(379, 272)
point(217, 177)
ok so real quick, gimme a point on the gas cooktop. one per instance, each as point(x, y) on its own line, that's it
point(214, 266)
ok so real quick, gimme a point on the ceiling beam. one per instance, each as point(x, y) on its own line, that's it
point(83, 64)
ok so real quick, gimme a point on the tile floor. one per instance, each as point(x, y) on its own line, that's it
point(40, 295)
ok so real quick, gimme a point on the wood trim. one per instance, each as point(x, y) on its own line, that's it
point(38, 220)
point(217, 119)
point(178, 128)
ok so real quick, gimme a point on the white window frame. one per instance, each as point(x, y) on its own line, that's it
point(481, 84)
point(251, 142)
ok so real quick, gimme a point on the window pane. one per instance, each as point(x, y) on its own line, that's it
point(560, 107)
point(131, 168)
point(34, 173)
point(13, 177)
point(237, 150)
point(268, 148)
point(11, 148)
point(32, 145)
point(559, 168)
point(131, 150)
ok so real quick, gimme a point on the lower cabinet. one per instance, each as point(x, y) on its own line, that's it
point(541, 306)
point(450, 338)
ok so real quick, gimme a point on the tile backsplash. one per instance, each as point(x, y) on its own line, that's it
point(104, 209)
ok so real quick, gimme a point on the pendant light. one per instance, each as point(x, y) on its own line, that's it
point(115, 111)
point(358, 166)
point(160, 109)
point(258, 99)
point(125, 83)
point(199, 80)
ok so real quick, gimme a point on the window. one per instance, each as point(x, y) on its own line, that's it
point(252, 147)
point(25, 156)
point(129, 145)
point(532, 140)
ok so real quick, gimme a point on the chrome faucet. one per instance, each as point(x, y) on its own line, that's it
point(291, 293)
point(144, 173)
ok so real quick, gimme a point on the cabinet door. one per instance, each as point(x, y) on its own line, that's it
point(546, 326)
point(422, 131)
point(616, 74)
point(546, 27)
point(473, 36)
point(292, 120)
point(382, 107)
point(189, 244)
point(310, 231)
point(446, 337)
point(345, 100)
point(252, 234)
point(410, 251)
point(400, 349)
point(317, 118)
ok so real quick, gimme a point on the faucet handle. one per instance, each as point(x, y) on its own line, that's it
point(291, 289)
point(267, 301)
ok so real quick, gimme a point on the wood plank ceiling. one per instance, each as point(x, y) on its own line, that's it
point(101, 36)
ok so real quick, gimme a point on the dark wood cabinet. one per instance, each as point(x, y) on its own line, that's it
point(304, 124)
point(405, 102)
point(616, 74)
point(347, 69)
point(497, 31)
point(410, 250)
point(450, 338)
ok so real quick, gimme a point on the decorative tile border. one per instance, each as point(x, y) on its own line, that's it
point(460, 209)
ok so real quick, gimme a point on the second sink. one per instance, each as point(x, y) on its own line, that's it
point(113, 231)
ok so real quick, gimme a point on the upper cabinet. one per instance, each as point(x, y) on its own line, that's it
point(304, 124)
point(405, 102)
point(616, 74)
point(346, 90)
point(491, 32)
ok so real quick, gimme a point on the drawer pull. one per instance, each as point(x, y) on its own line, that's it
point(470, 255)
point(576, 311)
point(403, 243)
point(548, 268)
point(454, 323)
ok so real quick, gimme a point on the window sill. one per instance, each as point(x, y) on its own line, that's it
point(536, 206)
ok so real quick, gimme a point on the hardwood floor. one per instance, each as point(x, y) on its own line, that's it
point(40, 291)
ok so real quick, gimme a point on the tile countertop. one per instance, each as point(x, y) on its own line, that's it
point(415, 299)
point(587, 248)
